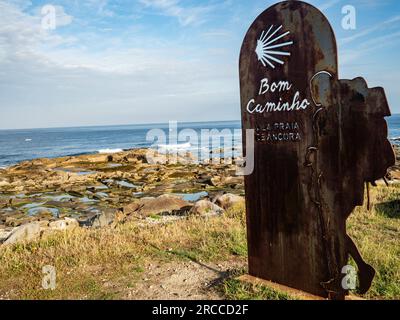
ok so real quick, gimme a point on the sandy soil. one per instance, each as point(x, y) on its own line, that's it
point(183, 280)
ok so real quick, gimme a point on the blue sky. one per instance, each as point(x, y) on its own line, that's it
point(126, 62)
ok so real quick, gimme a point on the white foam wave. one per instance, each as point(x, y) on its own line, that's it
point(110, 150)
point(172, 147)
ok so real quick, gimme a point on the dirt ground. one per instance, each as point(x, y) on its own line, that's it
point(183, 280)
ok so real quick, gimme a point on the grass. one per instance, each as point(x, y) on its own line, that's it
point(86, 259)
point(377, 235)
point(238, 290)
point(101, 264)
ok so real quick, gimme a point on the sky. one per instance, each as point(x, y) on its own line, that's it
point(112, 62)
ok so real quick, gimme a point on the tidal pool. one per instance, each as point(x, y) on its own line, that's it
point(192, 197)
point(101, 194)
point(37, 210)
point(87, 200)
point(114, 165)
point(32, 205)
point(78, 171)
point(126, 184)
point(59, 198)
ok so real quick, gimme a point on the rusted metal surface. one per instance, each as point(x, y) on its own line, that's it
point(318, 140)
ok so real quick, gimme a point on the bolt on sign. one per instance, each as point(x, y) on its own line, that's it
point(318, 142)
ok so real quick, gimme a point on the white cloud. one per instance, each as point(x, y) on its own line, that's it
point(23, 4)
point(383, 25)
point(101, 7)
point(62, 18)
point(349, 56)
point(217, 34)
point(328, 4)
point(44, 84)
point(185, 15)
point(373, 3)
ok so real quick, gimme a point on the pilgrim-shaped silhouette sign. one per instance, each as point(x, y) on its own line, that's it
point(318, 140)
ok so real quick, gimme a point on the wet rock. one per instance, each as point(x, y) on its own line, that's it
point(205, 179)
point(128, 177)
point(17, 201)
point(43, 213)
point(180, 174)
point(59, 204)
point(229, 200)
point(17, 219)
point(163, 205)
point(25, 233)
point(105, 217)
point(75, 193)
point(142, 158)
point(206, 208)
point(87, 220)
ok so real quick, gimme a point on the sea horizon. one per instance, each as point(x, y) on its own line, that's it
point(120, 125)
point(17, 145)
point(139, 124)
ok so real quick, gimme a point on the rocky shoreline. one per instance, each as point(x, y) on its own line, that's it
point(92, 191)
point(42, 196)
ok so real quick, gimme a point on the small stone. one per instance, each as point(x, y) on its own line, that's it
point(165, 204)
point(229, 200)
point(206, 208)
point(25, 233)
point(65, 224)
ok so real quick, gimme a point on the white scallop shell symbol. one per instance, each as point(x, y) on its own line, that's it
point(266, 45)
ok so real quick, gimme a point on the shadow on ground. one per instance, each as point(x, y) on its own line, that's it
point(389, 209)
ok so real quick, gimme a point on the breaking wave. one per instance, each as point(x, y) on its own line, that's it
point(110, 150)
point(173, 147)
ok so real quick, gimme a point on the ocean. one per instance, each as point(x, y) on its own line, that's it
point(28, 144)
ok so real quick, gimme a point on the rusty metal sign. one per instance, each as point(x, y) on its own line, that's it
point(318, 139)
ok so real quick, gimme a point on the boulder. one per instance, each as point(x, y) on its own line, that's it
point(17, 219)
point(205, 179)
point(206, 208)
point(232, 181)
point(25, 233)
point(63, 225)
point(229, 200)
point(104, 218)
point(215, 181)
point(162, 205)
point(98, 158)
point(4, 183)
point(88, 219)
point(4, 234)
point(153, 158)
